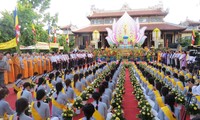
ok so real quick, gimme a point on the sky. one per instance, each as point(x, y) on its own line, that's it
point(76, 11)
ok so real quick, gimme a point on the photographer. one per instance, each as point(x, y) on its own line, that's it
point(195, 87)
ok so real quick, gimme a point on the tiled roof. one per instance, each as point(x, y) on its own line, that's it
point(132, 13)
point(150, 26)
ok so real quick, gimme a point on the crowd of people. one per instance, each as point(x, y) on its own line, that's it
point(164, 81)
point(176, 59)
point(27, 64)
point(68, 79)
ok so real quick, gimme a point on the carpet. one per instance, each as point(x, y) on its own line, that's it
point(129, 101)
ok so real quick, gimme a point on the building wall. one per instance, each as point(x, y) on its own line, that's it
point(170, 35)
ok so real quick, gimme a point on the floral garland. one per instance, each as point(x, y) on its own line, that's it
point(143, 104)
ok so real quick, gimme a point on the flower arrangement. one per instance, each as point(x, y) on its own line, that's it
point(193, 109)
point(84, 95)
point(180, 99)
point(90, 89)
point(118, 114)
point(143, 103)
point(78, 103)
point(48, 97)
point(68, 114)
point(145, 114)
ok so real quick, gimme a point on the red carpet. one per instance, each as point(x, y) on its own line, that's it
point(129, 102)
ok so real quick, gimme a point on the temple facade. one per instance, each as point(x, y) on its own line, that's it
point(151, 18)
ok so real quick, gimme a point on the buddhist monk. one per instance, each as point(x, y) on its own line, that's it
point(35, 63)
point(25, 65)
point(30, 66)
point(44, 63)
point(39, 65)
point(16, 64)
point(11, 73)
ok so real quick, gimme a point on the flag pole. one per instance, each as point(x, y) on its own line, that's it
point(17, 30)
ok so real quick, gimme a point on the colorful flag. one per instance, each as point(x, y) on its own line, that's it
point(193, 37)
point(67, 38)
point(17, 29)
point(54, 39)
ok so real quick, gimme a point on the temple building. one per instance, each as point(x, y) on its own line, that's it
point(151, 18)
point(190, 26)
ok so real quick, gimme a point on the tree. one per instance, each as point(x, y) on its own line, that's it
point(6, 27)
point(29, 12)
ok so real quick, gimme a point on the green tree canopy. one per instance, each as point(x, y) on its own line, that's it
point(29, 12)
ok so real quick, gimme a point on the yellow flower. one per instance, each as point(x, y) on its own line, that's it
point(195, 108)
point(148, 113)
point(117, 118)
point(118, 113)
point(143, 113)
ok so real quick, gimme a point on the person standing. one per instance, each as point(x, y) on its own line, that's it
point(3, 67)
point(17, 67)
point(11, 73)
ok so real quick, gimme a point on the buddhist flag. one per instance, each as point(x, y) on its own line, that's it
point(33, 29)
point(17, 29)
point(67, 38)
point(193, 37)
point(54, 36)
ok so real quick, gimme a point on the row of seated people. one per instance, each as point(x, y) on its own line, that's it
point(66, 91)
point(158, 92)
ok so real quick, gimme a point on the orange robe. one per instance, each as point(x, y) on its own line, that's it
point(11, 74)
point(5, 77)
point(35, 68)
point(51, 66)
point(40, 66)
point(30, 67)
point(25, 70)
point(44, 63)
point(17, 67)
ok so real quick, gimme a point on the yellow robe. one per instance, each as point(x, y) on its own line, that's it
point(11, 74)
point(35, 68)
point(16, 64)
point(25, 70)
point(30, 67)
